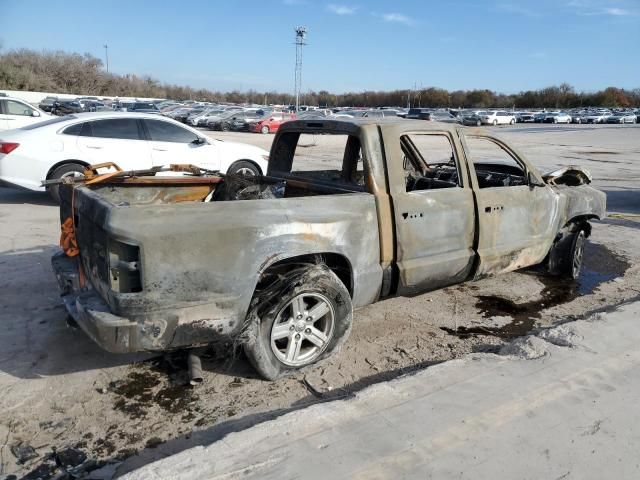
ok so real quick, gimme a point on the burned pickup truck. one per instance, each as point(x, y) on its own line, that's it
point(348, 213)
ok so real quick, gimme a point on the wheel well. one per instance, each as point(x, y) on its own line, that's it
point(581, 222)
point(337, 263)
point(65, 162)
point(247, 160)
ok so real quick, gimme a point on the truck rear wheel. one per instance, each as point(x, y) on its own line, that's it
point(302, 319)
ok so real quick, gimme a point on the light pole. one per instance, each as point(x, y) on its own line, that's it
point(301, 33)
point(106, 55)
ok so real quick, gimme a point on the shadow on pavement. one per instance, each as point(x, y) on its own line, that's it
point(16, 196)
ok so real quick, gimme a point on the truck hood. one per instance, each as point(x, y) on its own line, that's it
point(571, 175)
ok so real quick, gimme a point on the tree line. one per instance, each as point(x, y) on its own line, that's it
point(72, 73)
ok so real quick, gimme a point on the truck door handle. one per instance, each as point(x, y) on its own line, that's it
point(95, 147)
point(159, 149)
point(494, 208)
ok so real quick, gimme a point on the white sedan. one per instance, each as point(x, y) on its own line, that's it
point(557, 117)
point(498, 118)
point(16, 113)
point(63, 146)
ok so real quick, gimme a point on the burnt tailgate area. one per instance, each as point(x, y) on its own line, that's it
point(60, 391)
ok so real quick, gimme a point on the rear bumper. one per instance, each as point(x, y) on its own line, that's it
point(111, 332)
point(158, 326)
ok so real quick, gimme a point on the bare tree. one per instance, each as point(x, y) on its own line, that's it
point(62, 72)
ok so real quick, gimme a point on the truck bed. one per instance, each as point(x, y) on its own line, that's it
point(167, 190)
point(126, 231)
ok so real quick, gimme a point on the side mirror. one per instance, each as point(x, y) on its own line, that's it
point(533, 180)
point(35, 113)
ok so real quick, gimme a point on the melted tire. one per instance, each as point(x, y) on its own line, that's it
point(562, 257)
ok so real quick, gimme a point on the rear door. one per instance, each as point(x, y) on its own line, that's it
point(516, 220)
point(118, 140)
point(433, 207)
point(174, 144)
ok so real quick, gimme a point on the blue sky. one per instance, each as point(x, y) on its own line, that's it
point(506, 46)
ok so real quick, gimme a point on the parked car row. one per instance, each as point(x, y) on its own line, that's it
point(606, 116)
point(267, 119)
point(501, 117)
point(579, 116)
point(68, 105)
point(229, 117)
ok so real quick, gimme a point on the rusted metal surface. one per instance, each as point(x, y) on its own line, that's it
point(200, 261)
point(157, 193)
point(164, 181)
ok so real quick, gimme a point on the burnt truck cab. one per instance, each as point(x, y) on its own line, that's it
point(349, 212)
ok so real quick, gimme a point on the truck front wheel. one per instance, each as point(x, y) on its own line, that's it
point(302, 318)
point(566, 256)
point(576, 255)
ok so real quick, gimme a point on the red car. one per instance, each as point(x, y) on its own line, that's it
point(272, 123)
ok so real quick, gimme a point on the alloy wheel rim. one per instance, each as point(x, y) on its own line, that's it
point(577, 255)
point(303, 329)
point(71, 174)
point(246, 171)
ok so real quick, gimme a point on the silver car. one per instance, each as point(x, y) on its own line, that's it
point(622, 117)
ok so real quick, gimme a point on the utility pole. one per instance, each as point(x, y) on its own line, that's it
point(106, 55)
point(301, 34)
